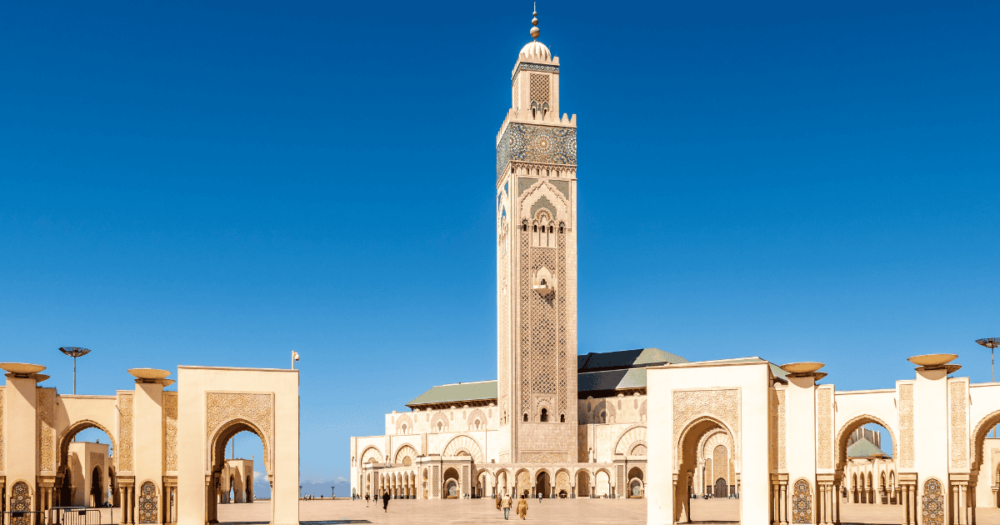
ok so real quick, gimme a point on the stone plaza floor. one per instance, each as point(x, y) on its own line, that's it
point(583, 511)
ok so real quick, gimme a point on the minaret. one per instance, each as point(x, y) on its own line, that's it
point(536, 266)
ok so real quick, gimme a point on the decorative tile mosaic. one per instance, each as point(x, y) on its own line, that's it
point(147, 503)
point(933, 503)
point(526, 66)
point(531, 143)
point(802, 502)
point(20, 501)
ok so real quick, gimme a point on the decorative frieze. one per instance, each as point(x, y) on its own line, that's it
point(125, 441)
point(906, 425)
point(538, 144)
point(170, 430)
point(959, 425)
point(824, 409)
point(46, 429)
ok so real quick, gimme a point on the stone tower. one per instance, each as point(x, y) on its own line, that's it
point(536, 266)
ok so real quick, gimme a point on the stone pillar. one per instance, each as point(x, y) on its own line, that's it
point(783, 503)
point(774, 501)
point(962, 507)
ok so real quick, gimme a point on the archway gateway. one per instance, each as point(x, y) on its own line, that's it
point(167, 445)
point(214, 405)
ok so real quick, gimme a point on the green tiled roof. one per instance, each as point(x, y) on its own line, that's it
point(593, 362)
point(611, 380)
point(458, 392)
point(863, 448)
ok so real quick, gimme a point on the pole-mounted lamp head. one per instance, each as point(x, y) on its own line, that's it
point(74, 351)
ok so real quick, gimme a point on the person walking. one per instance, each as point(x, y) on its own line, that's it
point(539, 497)
point(498, 500)
point(506, 503)
point(385, 501)
point(367, 498)
point(522, 508)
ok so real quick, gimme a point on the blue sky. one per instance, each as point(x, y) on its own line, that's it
point(212, 183)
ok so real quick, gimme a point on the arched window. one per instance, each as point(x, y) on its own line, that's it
point(526, 418)
point(477, 424)
point(545, 415)
point(404, 428)
point(562, 418)
point(603, 418)
point(440, 426)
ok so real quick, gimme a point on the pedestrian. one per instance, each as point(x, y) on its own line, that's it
point(522, 508)
point(367, 498)
point(498, 500)
point(539, 497)
point(506, 503)
point(385, 501)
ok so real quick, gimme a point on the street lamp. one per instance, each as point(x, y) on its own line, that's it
point(74, 352)
point(992, 343)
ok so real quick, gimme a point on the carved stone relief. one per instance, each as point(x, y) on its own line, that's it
point(170, 430)
point(258, 409)
point(824, 406)
point(959, 425)
point(20, 501)
point(722, 404)
point(46, 429)
point(545, 457)
point(125, 402)
point(906, 426)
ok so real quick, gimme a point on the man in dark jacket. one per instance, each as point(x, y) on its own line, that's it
point(385, 501)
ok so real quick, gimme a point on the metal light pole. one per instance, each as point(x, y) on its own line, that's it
point(74, 352)
point(295, 357)
point(992, 343)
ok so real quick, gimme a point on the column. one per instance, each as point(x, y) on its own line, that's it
point(962, 513)
point(774, 502)
point(908, 494)
point(783, 503)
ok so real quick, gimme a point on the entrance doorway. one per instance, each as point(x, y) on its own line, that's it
point(543, 485)
point(721, 490)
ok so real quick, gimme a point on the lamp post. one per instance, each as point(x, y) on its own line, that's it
point(74, 352)
point(992, 343)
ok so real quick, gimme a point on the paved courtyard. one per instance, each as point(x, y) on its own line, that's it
point(586, 511)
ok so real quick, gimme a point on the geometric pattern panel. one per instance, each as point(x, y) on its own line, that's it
point(906, 425)
point(959, 426)
point(531, 143)
point(824, 407)
point(802, 502)
point(20, 501)
point(933, 503)
point(539, 90)
point(147, 503)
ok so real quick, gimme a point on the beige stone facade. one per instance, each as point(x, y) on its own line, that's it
point(236, 482)
point(168, 457)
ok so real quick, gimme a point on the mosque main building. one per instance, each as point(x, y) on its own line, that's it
point(553, 422)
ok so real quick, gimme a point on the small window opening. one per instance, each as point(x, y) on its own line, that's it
point(545, 415)
point(562, 418)
point(526, 417)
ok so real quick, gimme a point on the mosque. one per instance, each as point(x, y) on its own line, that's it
point(646, 423)
point(554, 422)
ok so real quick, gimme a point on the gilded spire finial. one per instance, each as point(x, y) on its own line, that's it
point(534, 23)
